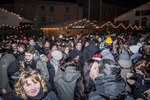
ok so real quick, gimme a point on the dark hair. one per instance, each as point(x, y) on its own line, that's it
point(84, 83)
point(30, 50)
point(22, 45)
point(109, 67)
point(68, 62)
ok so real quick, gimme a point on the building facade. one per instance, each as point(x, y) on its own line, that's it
point(100, 10)
point(45, 11)
point(139, 16)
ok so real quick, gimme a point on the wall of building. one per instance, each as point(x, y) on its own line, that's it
point(110, 11)
point(46, 11)
point(132, 18)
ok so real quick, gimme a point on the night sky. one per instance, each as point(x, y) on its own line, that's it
point(130, 3)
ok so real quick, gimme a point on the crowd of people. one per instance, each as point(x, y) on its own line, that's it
point(83, 67)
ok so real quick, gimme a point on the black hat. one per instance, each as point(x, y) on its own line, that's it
point(73, 54)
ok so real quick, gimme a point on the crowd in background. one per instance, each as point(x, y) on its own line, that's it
point(83, 67)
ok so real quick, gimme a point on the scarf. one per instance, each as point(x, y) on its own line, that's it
point(39, 96)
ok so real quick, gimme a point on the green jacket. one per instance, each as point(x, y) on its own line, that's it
point(65, 83)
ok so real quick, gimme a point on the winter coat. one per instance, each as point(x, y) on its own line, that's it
point(45, 96)
point(80, 87)
point(125, 67)
point(141, 84)
point(41, 65)
point(135, 57)
point(20, 56)
point(81, 61)
point(65, 83)
point(109, 87)
point(51, 71)
point(4, 63)
point(106, 54)
point(13, 70)
point(1, 98)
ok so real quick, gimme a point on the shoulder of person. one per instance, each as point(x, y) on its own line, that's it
point(95, 96)
point(51, 96)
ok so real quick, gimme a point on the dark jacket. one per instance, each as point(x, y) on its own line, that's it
point(20, 56)
point(82, 90)
point(44, 96)
point(13, 70)
point(51, 71)
point(89, 51)
point(141, 84)
point(4, 63)
point(109, 87)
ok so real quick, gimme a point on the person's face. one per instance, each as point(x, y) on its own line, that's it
point(79, 46)
point(47, 44)
point(94, 71)
point(99, 39)
point(20, 49)
point(54, 48)
point(29, 57)
point(32, 87)
point(31, 42)
point(14, 46)
point(67, 50)
point(86, 44)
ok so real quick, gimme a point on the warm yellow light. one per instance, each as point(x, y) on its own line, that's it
point(19, 18)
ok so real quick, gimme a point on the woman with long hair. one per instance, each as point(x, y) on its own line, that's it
point(84, 84)
point(109, 84)
point(32, 86)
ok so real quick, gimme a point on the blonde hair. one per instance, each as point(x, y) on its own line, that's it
point(24, 76)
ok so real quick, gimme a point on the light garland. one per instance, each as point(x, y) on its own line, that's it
point(78, 22)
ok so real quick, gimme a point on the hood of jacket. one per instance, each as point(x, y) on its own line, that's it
point(111, 87)
point(125, 63)
point(92, 47)
point(70, 74)
point(106, 54)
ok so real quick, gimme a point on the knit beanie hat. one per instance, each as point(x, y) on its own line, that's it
point(57, 55)
point(97, 55)
point(106, 54)
point(73, 54)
